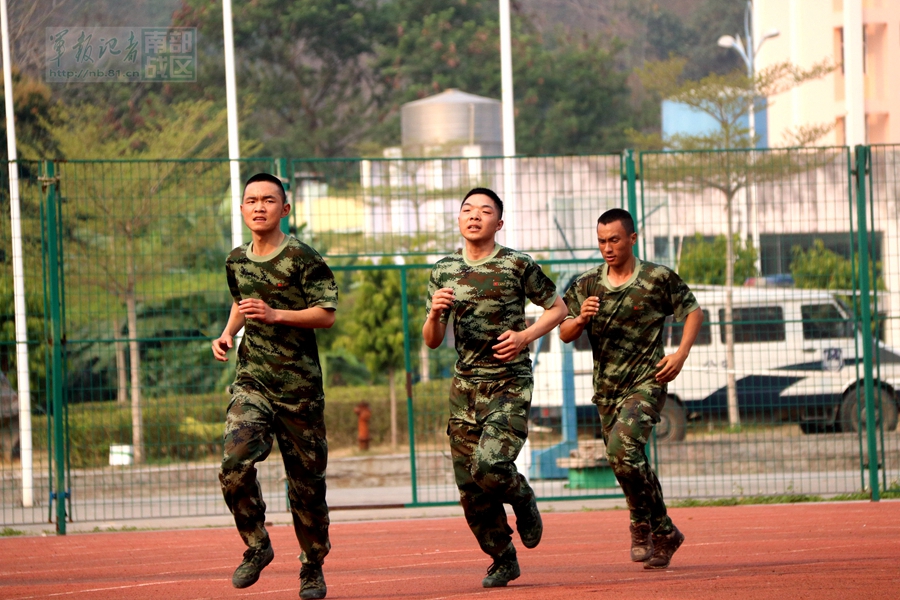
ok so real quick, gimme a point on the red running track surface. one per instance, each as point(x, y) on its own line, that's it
point(819, 551)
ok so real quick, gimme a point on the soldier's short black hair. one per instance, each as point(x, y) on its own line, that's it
point(269, 178)
point(490, 194)
point(618, 214)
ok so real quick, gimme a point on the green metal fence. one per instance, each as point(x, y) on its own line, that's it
point(125, 289)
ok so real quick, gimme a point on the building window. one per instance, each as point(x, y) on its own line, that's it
point(839, 48)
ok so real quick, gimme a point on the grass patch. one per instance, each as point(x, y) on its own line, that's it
point(124, 528)
point(747, 500)
point(10, 532)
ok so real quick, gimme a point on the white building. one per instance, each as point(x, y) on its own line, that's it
point(861, 98)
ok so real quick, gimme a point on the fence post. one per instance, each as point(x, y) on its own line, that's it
point(55, 342)
point(407, 364)
point(631, 189)
point(862, 163)
point(281, 167)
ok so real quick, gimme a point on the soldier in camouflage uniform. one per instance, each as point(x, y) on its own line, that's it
point(623, 304)
point(282, 291)
point(483, 288)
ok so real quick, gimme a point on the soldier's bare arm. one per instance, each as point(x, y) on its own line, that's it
point(571, 329)
point(314, 317)
point(225, 342)
point(513, 342)
point(433, 330)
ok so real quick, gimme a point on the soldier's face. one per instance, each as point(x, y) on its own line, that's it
point(616, 246)
point(479, 219)
point(262, 207)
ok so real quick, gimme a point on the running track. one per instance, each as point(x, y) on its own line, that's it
point(818, 551)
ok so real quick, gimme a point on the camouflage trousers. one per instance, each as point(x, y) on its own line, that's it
point(251, 425)
point(626, 426)
point(487, 428)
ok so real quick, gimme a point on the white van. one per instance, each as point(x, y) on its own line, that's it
point(796, 360)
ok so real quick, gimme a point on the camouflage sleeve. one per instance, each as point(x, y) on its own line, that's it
point(434, 285)
point(539, 288)
point(681, 296)
point(318, 283)
point(574, 298)
point(232, 281)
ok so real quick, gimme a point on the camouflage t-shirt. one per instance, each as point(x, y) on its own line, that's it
point(281, 361)
point(627, 334)
point(490, 299)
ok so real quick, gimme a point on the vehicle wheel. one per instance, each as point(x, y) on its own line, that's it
point(850, 421)
point(672, 425)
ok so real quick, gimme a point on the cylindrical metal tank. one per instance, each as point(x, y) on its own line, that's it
point(441, 125)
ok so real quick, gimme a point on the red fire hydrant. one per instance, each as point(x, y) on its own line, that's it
point(363, 414)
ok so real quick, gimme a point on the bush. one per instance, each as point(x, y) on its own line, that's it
point(179, 428)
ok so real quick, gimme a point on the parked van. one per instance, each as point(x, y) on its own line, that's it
point(797, 358)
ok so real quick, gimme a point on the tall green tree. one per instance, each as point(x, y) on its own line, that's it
point(570, 96)
point(305, 62)
point(374, 328)
point(127, 223)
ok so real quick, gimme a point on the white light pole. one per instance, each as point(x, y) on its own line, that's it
point(509, 127)
point(748, 52)
point(234, 147)
point(24, 386)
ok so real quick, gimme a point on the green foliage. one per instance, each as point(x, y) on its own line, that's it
point(308, 59)
point(174, 350)
point(570, 95)
point(191, 427)
point(373, 322)
point(34, 326)
point(341, 368)
point(704, 262)
point(10, 532)
point(34, 117)
point(375, 328)
point(334, 74)
point(821, 268)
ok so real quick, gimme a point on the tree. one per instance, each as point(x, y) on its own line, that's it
point(570, 95)
point(308, 60)
point(820, 268)
point(34, 116)
point(725, 166)
point(128, 222)
point(375, 331)
point(704, 262)
point(34, 323)
point(375, 327)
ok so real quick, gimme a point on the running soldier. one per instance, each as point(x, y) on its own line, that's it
point(623, 304)
point(282, 291)
point(483, 287)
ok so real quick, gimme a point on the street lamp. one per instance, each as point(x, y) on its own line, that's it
point(748, 52)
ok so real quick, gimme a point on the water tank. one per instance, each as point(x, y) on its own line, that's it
point(441, 125)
